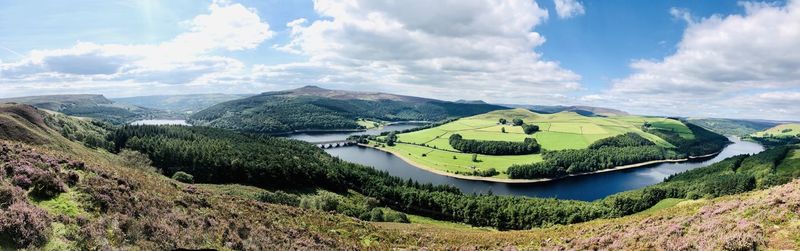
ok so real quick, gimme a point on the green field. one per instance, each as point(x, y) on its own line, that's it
point(559, 131)
point(785, 130)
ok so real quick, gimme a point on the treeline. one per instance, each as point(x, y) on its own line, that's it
point(566, 162)
point(623, 140)
point(528, 146)
point(704, 142)
point(624, 149)
point(775, 141)
point(733, 175)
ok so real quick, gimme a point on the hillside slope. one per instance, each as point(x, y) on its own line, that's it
point(314, 108)
point(90, 106)
point(736, 127)
point(180, 103)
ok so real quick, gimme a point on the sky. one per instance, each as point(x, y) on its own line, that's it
point(724, 59)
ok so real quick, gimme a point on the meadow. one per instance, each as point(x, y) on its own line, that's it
point(785, 130)
point(559, 131)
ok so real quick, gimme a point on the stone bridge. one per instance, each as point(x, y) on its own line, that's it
point(334, 143)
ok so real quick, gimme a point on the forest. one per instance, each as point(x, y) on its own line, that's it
point(489, 147)
point(280, 113)
point(221, 156)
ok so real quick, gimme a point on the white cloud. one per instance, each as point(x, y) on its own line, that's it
point(181, 60)
point(568, 8)
point(681, 13)
point(723, 65)
point(477, 49)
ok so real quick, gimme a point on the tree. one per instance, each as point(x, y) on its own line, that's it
point(518, 122)
point(530, 129)
point(474, 157)
point(391, 138)
point(503, 129)
point(503, 121)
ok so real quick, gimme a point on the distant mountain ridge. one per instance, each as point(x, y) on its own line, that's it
point(583, 110)
point(188, 103)
point(315, 108)
point(90, 106)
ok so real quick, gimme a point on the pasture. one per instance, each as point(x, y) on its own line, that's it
point(784, 130)
point(559, 131)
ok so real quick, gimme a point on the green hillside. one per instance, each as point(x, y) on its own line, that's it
point(90, 106)
point(736, 127)
point(431, 148)
point(180, 103)
point(314, 108)
point(784, 130)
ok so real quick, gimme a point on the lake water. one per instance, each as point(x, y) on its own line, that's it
point(160, 122)
point(332, 136)
point(587, 187)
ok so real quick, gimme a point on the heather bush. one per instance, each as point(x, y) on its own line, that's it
point(72, 178)
point(47, 186)
point(25, 225)
point(183, 177)
point(10, 195)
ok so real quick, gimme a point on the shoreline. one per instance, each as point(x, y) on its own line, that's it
point(531, 181)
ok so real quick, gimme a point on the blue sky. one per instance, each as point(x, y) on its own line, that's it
point(690, 58)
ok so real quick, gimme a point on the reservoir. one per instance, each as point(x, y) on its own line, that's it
point(160, 122)
point(586, 187)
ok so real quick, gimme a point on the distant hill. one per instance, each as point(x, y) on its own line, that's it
point(180, 103)
point(737, 127)
point(582, 110)
point(782, 130)
point(462, 101)
point(315, 108)
point(90, 106)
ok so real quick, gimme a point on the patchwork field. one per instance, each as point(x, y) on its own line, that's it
point(559, 131)
point(784, 130)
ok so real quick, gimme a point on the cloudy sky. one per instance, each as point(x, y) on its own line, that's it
point(688, 58)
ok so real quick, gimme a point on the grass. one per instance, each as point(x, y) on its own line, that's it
point(368, 124)
point(422, 220)
point(64, 204)
point(559, 131)
point(785, 130)
point(663, 204)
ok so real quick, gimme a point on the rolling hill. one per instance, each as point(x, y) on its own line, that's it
point(186, 104)
point(90, 106)
point(583, 110)
point(783, 130)
point(314, 108)
point(433, 149)
point(735, 127)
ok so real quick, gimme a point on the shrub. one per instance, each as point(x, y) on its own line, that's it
point(10, 195)
point(376, 215)
point(183, 177)
point(25, 225)
point(394, 216)
point(72, 178)
point(324, 201)
point(137, 160)
point(48, 186)
point(279, 197)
